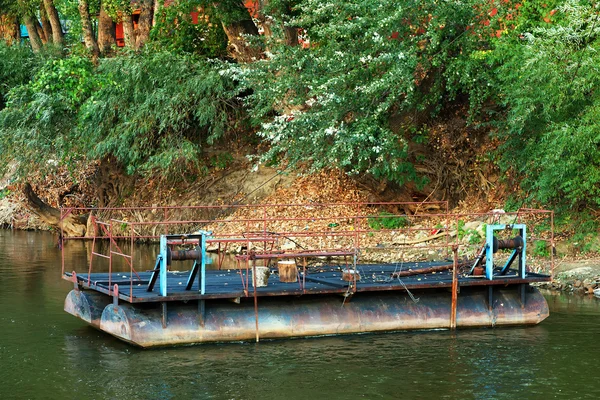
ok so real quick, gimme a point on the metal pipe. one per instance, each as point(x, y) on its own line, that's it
point(454, 288)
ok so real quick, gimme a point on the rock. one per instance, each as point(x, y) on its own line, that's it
point(288, 246)
point(577, 283)
point(589, 290)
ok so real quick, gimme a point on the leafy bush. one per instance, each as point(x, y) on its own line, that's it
point(548, 79)
point(40, 118)
point(175, 30)
point(156, 110)
point(17, 66)
point(386, 220)
point(540, 248)
point(153, 110)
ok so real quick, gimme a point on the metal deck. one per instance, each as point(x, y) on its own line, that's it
point(237, 283)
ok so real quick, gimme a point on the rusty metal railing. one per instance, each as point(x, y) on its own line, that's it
point(326, 228)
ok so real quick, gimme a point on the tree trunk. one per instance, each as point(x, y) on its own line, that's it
point(57, 34)
point(157, 5)
point(239, 48)
point(34, 38)
point(46, 28)
point(40, 32)
point(17, 30)
point(106, 32)
point(291, 35)
point(128, 32)
point(86, 27)
point(72, 225)
point(144, 23)
point(8, 30)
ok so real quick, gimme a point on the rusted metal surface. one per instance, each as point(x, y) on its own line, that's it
point(86, 305)
point(454, 288)
point(307, 316)
point(513, 243)
point(424, 270)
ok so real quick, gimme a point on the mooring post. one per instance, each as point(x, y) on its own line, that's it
point(454, 288)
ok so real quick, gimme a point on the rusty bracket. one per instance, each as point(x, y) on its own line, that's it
point(75, 283)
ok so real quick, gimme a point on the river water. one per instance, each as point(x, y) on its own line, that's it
point(48, 354)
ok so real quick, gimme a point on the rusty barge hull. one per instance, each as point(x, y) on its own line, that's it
point(181, 323)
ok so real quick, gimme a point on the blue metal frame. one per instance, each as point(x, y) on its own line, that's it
point(204, 261)
point(489, 249)
point(163, 265)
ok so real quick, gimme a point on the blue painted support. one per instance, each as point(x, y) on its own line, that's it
point(163, 265)
point(203, 262)
point(510, 260)
point(522, 260)
point(489, 249)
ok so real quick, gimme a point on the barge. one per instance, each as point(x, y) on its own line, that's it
point(273, 292)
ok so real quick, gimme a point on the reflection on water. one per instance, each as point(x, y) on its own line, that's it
point(46, 353)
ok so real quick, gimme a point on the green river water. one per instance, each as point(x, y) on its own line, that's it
point(48, 354)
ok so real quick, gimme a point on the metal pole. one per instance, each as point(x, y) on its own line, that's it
point(110, 244)
point(131, 266)
point(454, 288)
point(255, 298)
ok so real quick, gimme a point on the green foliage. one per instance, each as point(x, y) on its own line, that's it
point(156, 111)
point(145, 111)
point(548, 80)
point(38, 121)
point(541, 248)
point(4, 193)
point(17, 67)
point(386, 220)
point(460, 229)
point(176, 31)
point(221, 160)
point(367, 62)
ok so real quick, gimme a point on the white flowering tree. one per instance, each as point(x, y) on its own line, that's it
point(363, 62)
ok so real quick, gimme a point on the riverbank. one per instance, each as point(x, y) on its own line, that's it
point(575, 276)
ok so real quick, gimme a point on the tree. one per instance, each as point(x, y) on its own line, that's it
point(34, 38)
point(106, 31)
point(9, 29)
point(57, 33)
point(369, 61)
point(86, 27)
point(240, 30)
point(548, 79)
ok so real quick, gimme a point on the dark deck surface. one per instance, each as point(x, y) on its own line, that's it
point(325, 279)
